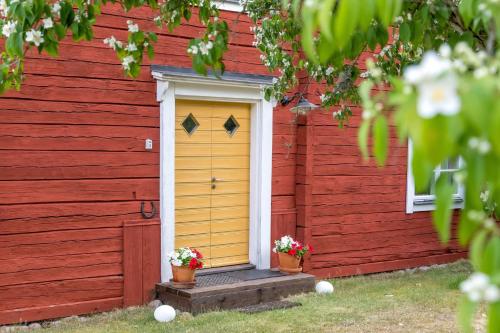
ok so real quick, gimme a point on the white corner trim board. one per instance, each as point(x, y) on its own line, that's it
point(172, 87)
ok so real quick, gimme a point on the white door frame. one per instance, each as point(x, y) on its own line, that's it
point(171, 87)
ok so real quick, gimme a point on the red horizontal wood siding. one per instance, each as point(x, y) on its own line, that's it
point(353, 211)
point(73, 170)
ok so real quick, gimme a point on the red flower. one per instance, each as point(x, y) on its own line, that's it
point(300, 248)
point(292, 252)
point(310, 248)
point(198, 253)
point(193, 263)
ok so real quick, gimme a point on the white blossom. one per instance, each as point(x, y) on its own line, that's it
point(483, 146)
point(56, 9)
point(478, 287)
point(113, 42)
point(4, 8)
point(8, 28)
point(484, 196)
point(47, 23)
point(445, 51)
point(437, 86)
point(131, 47)
point(126, 61)
point(132, 27)
point(35, 37)
point(329, 71)
point(204, 48)
point(431, 67)
point(193, 49)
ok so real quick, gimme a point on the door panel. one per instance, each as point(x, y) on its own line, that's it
point(213, 141)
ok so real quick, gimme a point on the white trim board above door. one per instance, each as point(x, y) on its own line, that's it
point(178, 83)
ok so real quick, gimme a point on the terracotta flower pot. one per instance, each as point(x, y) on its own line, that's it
point(289, 263)
point(182, 274)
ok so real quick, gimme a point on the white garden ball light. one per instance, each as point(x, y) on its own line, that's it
point(164, 313)
point(324, 287)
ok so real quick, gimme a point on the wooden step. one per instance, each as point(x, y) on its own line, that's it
point(237, 293)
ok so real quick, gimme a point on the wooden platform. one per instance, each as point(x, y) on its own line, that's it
point(234, 289)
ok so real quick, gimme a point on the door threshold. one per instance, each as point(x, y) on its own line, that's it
point(224, 269)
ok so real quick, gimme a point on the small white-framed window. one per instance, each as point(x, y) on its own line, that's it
point(425, 200)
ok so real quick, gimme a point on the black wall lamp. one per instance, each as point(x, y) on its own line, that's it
point(303, 106)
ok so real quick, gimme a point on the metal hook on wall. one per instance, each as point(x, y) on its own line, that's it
point(151, 214)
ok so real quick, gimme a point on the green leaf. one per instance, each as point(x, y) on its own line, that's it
point(477, 247)
point(466, 310)
point(366, 13)
point(363, 133)
point(494, 317)
point(346, 20)
point(422, 170)
point(60, 31)
point(444, 203)
point(466, 229)
point(490, 263)
point(404, 32)
point(371, 38)
point(380, 139)
point(466, 10)
point(325, 17)
point(14, 45)
point(308, 32)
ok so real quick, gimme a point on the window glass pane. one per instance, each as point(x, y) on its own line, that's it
point(231, 125)
point(190, 124)
point(448, 168)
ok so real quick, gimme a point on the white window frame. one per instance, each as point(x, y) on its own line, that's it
point(423, 203)
point(172, 87)
point(229, 5)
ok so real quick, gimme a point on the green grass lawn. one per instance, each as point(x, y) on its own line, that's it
point(415, 301)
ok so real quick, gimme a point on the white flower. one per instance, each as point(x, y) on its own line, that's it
point(35, 37)
point(4, 8)
point(113, 42)
point(193, 49)
point(131, 47)
point(176, 262)
point(491, 294)
point(445, 51)
point(210, 45)
point(274, 250)
point(157, 19)
point(132, 27)
point(47, 23)
point(480, 72)
point(478, 287)
point(203, 48)
point(438, 97)
point(484, 196)
point(482, 146)
point(431, 67)
point(56, 9)
point(127, 61)
point(329, 71)
point(8, 28)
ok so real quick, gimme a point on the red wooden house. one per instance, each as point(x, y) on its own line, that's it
point(82, 147)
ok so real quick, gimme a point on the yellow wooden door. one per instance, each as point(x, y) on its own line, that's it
point(212, 170)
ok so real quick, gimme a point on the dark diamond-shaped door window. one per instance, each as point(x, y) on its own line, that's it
point(190, 124)
point(231, 125)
